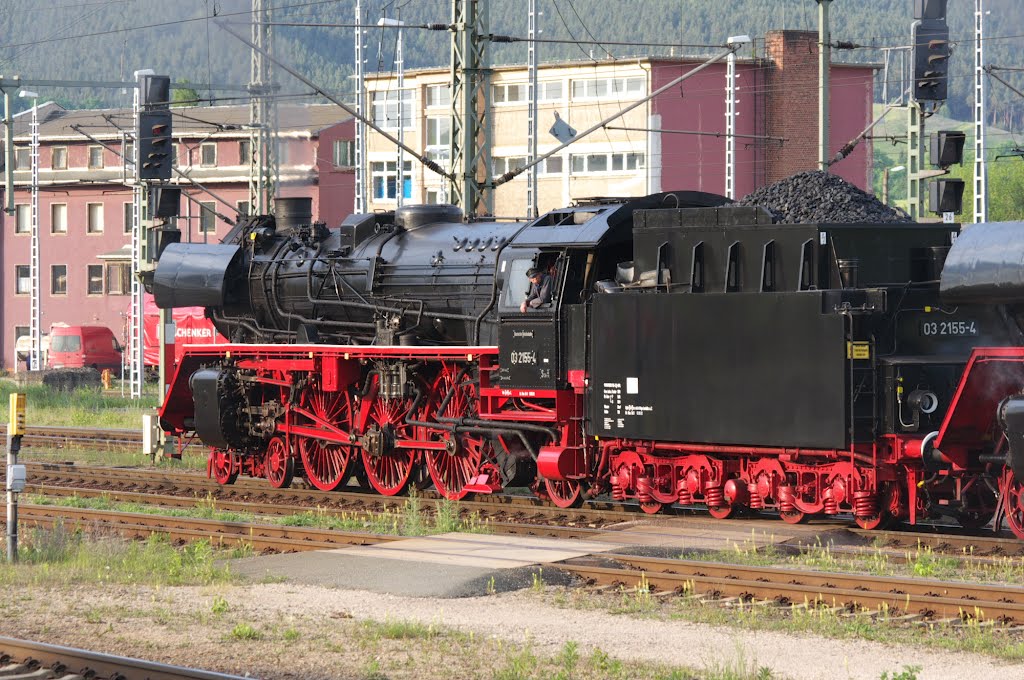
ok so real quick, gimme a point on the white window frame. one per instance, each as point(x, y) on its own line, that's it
point(22, 158)
point(92, 227)
point(54, 152)
point(384, 106)
point(22, 275)
point(501, 93)
point(244, 151)
point(119, 274)
point(23, 218)
point(545, 93)
point(54, 279)
point(545, 168)
point(207, 217)
point(95, 149)
point(89, 268)
point(502, 164)
point(384, 180)
point(202, 154)
point(61, 208)
point(614, 163)
point(128, 215)
point(608, 88)
point(343, 153)
point(438, 96)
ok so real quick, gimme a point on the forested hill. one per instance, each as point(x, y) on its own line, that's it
point(108, 39)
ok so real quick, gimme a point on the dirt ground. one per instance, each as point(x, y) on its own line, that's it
point(281, 630)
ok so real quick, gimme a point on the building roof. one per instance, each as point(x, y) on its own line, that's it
point(58, 124)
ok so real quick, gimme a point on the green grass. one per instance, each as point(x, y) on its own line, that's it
point(81, 408)
point(62, 556)
point(883, 626)
point(922, 562)
point(409, 520)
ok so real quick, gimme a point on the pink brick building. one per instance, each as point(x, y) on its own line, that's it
point(85, 203)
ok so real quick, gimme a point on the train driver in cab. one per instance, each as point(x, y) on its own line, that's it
point(540, 289)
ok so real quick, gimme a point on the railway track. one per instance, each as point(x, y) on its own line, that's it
point(499, 508)
point(908, 598)
point(898, 597)
point(52, 437)
point(40, 661)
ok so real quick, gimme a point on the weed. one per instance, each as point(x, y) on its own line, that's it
point(908, 673)
point(244, 631)
point(492, 588)
point(519, 665)
point(398, 629)
point(568, 659)
point(291, 635)
point(538, 580)
point(220, 605)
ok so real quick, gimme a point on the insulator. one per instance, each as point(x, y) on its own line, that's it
point(685, 497)
point(865, 504)
point(787, 499)
point(643, 489)
point(755, 502)
point(713, 496)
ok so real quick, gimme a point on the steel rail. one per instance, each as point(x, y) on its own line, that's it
point(519, 508)
point(855, 593)
point(260, 536)
point(281, 510)
point(69, 661)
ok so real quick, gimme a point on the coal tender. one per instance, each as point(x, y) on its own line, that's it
point(791, 354)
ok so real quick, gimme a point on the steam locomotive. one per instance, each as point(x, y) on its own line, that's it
point(692, 353)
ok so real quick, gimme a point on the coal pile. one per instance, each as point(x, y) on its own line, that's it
point(815, 197)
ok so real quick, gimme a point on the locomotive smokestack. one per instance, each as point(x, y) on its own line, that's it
point(291, 213)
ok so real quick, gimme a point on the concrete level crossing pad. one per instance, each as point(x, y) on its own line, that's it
point(446, 565)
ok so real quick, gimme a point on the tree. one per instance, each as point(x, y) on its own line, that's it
point(184, 96)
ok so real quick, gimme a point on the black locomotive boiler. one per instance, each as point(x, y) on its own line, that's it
point(691, 353)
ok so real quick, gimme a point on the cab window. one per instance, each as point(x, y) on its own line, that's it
point(516, 283)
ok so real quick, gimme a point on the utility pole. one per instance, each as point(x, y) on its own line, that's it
point(471, 107)
point(35, 316)
point(980, 168)
point(730, 115)
point(824, 66)
point(360, 141)
point(140, 198)
point(400, 72)
point(9, 147)
point(531, 116)
point(264, 171)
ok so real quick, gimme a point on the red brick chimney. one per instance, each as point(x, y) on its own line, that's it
point(792, 102)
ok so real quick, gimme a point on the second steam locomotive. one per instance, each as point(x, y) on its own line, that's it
point(684, 352)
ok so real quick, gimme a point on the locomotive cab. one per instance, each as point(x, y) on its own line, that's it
point(533, 344)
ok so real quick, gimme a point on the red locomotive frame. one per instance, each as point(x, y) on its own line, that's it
point(457, 429)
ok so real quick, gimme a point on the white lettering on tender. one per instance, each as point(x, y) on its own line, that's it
point(193, 333)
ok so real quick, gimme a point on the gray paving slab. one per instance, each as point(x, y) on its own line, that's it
point(447, 565)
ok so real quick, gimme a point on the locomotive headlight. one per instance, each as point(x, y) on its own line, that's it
point(923, 401)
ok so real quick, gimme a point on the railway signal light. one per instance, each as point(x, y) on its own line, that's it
point(948, 148)
point(931, 59)
point(930, 9)
point(154, 135)
point(946, 196)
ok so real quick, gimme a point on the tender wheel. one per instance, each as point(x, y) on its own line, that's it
point(326, 463)
point(651, 507)
point(224, 466)
point(388, 467)
point(452, 469)
point(722, 511)
point(890, 507)
point(793, 517)
point(566, 493)
point(280, 465)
